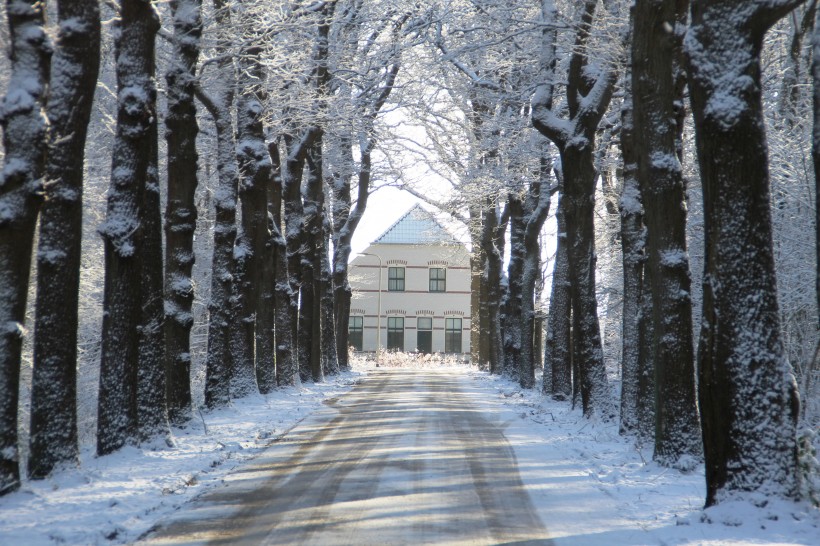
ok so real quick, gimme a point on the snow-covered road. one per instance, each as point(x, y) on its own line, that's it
point(408, 457)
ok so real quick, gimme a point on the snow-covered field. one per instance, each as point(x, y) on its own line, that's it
point(589, 485)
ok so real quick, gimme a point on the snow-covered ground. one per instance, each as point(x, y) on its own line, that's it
point(589, 485)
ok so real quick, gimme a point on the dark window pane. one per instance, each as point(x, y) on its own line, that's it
point(395, 279)
point(438, 279)
point(424, 342)
point(452, 335)
point(355, 335)
point(395, 333)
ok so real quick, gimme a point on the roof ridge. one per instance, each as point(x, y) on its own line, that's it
point(439, 231)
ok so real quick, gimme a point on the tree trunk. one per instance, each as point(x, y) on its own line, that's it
point(53, 432)
point(286, 372)
point(152, 408)
point(537, 207)
point(180, 214)
point(587, 99)
point(655, 54)
point(747, 392)
point(121, 232)
point(815, 153)
point(25, 133)
point(557, 349)
point(632, 244)
point(330, 358)
point(255, 176)
point(266, 291)
point(491, 280)
point(578, 203)
point(513, 319)
point(222, 320)
point(310, 357)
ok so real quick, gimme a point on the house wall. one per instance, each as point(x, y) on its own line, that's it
point(416, 300)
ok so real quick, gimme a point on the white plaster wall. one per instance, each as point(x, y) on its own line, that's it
point(416, 300)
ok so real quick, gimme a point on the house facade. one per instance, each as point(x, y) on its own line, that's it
point(411, 289)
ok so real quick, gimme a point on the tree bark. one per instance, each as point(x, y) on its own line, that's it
point(579, 188)
point(633, 257)
point(121, 232)
point(255, 176)
point(53, 432)
point(747, 392)
point(557, 348)
point(180, 214)
point(287, 373)
point(152, 408)
point(656, 52)
point(588, 96)
point(222, 320)
point(25, 134)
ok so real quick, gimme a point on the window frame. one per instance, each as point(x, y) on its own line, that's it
point(437, 284)
point(396, 283)
point(453, 337)
point(354, 330)
point(396, 333)
point(428, 333)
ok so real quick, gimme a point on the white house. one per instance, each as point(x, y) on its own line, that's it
point(411, 289)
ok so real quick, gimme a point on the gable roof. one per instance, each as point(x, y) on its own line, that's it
point(417, 227)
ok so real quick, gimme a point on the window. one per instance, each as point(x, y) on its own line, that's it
point(395, 279)
point(438, 279)
point(355, 332)
point(424, 340)
point(452, 335)
point(395, 333)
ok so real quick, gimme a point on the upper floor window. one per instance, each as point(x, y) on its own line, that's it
point(438, 279)
point(395, 279)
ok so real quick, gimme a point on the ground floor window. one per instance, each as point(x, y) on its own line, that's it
point(355, 332)
point(452, 335)
point(395, 333)
point(424, 330)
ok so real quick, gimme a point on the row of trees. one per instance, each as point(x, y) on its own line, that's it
point(292, 95)
point(511, 103)
point(608, 85)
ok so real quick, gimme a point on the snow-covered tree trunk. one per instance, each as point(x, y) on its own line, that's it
point(295, 149)
point(310, 333)
point(266, 294)
point(287, 373)
point(512, 324)
point(656, 64)
point(75, 65)
point(558, 344)
point(330, 358)
point(218, 366)
point(588, 98)
point(152, 408)
point(537, 206)
point(180, 214)
point(255, 175)
point(25, 133)
point(345, 220)
point(493, 227)
point(747, 392)
point(122, 233)
point(815, 153)
point(632, 244)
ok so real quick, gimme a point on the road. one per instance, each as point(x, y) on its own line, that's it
point(406, 457)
